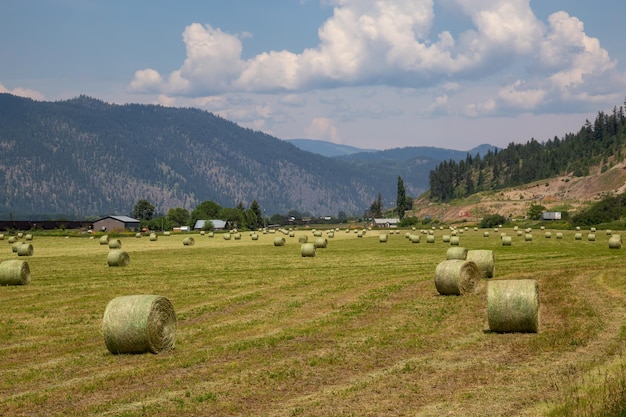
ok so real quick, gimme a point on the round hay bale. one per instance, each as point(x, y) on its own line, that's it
point(153, 237)
point(279, 241)
point(1, 236)
point(115, 244)
point(317, 233)
point(331, 235)
point(237, 236)
point(456, 252)
point(308, 250)
point(211, 234)
point(25, 249)
point(519, 233)
point(320, 242)
point(577, 228)
point(415, 239)
point(528, 237)
point(615, 242)
point(254, 237)
point(118, 257)
point(226, 236)
point(592, 230)
point(15, 246)
point(513, 306)
point(445, 238)
point(578, 236)
point(591, 237)
point(189, 241)
point(14, 272)
point(303, 239)
point(430, 239)
point(167, 233)
point(547, 235)
point(28, 237)
point(202, 232)
point(507, 241)
point(359, 234)
point(485, 234)
point(292, 234)
point(543, 228)
point(609, 232)
point(139, 324)
point(104, 239)
point(455, 241)
point(12, 240)
point(20, 235)
point(456, 277)
point(485, 259)
point(138, 235)
point(382, 238)
point(407, 235)
point(559, 235)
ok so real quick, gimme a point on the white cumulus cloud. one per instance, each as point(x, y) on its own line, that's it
point(392, 42)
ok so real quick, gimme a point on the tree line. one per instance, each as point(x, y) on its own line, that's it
point(595, 143)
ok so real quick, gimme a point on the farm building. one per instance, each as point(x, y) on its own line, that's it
point(551, 215)
point(386, 222)
point(217, 224)
point(109, 223)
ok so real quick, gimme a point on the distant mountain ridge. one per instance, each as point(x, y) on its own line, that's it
point(85, 157)
point(325, 148)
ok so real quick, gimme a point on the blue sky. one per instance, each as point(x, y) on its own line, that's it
point(368, 73)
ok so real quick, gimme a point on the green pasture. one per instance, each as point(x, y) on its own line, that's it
point(357, 330)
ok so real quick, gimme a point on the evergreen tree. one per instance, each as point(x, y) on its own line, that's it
point(401, 199)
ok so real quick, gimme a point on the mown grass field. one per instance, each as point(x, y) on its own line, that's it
point(358, 330)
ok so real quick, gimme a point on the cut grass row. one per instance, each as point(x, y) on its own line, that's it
point(357, 330)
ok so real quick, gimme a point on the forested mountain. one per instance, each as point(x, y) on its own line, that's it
point(599, 143)
point(84, 157)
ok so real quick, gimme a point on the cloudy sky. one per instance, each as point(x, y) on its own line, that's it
point(369, 73)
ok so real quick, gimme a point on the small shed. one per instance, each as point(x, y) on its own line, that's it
point(109, 223)
point(217, 224)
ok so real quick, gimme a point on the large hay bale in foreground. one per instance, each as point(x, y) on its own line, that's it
point(118, 257)
point(24, 249)
point(615, 242)
point(456, 277)
point(457, 252)
point(14, 272)
point(189, 241)
point(485, 259)
point(139, 324)
point(513, 306)
point(307, 250)
point(115, 244)
point(104, 239)
point(279, 241)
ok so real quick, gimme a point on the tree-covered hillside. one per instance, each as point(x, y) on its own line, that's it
point(599, 143)
point(83, 157)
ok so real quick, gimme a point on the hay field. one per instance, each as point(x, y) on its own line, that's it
point(358, 330)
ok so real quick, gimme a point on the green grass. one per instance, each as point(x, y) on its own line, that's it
point(357, 330)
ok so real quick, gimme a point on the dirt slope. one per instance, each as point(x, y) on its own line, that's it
point(566, 193)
